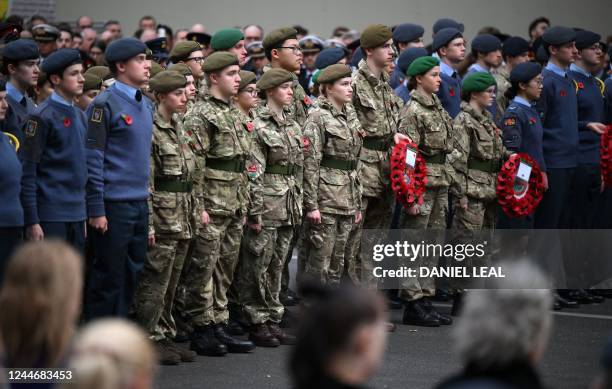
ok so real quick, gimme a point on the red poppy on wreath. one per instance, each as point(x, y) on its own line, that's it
point(516, 196)
point(580, 85)
point(67, 122)
point(563, 93)
point(451, 92)
point(307, 100)
point(250, 126)
point(605, 153)
point(408, 182)
point(532, 121)
point(127, 119)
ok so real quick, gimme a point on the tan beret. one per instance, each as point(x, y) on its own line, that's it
point(273, 78)
point(167, 81)
point(246, 78)
point(181, 50)
point(375, 35)
point(333, 73)
point(219, 60)
point(278, 36)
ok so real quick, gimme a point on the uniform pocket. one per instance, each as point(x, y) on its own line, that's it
point(481, 185)
point(334, 189)
point(275, 201)
point(257, 243)
point(170, 159)
point(220, 190)
point(166, 215)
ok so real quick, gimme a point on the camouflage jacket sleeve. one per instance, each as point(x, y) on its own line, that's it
point(151, 185)
point(194, 122)
point(256, 168)
point(408, 125)
point(458, 158)
point(312, 159)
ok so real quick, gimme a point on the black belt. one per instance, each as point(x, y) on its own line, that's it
point(163, 184)
point(235, 165)
point(340, 164)
point(484, 166)
point(438, 158)
point(377, 144)
point(286, 170)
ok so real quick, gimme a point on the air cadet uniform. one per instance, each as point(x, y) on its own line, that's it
point(450, 85)
point(426, 122)
point(172, 220)
point(331, 183)
point(222, 148)
point(118, 143)
point(404, 33)
point(485, 43)
point(403, 62)
point(512, 47)
point(20, 105)
point(54, 167)
point(275, 172)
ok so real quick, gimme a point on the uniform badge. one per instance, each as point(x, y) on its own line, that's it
point(510, 122)
point(31, 128)
point(305, 143)
point(250, 126)
point(252, 171)
point(562, 93)
point(580, 85)
point(96, 115)
point(451, 92)
point(127, 119)
point(67, 122)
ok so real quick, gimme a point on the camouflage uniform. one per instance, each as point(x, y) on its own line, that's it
point(332, 186)
point(276, 174)
point(428, 124)
point(502, 78)
point(377, 109)
point(173, 207)
point(223, 147)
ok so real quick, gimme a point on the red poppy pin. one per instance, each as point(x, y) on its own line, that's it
point(580, 85)
point(307, 100)
point(305, 143)
point(250, 126)
point(127, 119)
point(532, 120)
point(252, 169)
point(451, 92)
point(563, 93)
point(67, 122)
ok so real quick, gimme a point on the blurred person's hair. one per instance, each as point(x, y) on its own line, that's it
point(339, 31)
point(535, 23)
point(15, 19)
point(110, 354)
point(39, 304)
point(506, 324)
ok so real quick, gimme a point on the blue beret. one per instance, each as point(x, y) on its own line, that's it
point(446, 23)
point(486, 43)
point(357, 57)
point(444, 36)
point(525, 71)
point(329, 57)
point(407, 32)
point(59, 60)
point(20, 50)
point(515, 46)
point(586, 39)
point(409, 55)
point(124, 49)
point(559, 35)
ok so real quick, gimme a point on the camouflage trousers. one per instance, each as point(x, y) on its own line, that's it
point(211, 270)
point(327, 243)
point(298, 241)
point(432, 216)
point(261, 271)
point(157, 286)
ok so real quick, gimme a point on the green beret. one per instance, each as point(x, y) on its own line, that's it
point(226, 39)
point(167, 81)
point(92, 82)
point(218, 61)
point(181, 50)
point(182, 68)
point(333, 73)
point(246, 78)
point(155, 68)
point(278, 36)
point(422, 65)
point(102, 72)
point(375, 35)
point(273, 78)
point(477, 82)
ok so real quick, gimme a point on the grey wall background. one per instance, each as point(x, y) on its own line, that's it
point(321, 16)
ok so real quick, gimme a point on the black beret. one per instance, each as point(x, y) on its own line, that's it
point(408, 32)
point(375, 35)
point(525, 71)
point(409, 55)
point(20, 50)
point(333, 73)
point(219, 60)
point(444, 36)
point(586, 39)
point(278, 36)
point(446, 23)
point(123, 49)
point(200, 37)
point(559, 35)
point(246, 78)
point(59, 60)
point(167, 81)
point(329, 57)
point(486, 43)
point(273, 78)
point(159, 47)
point(515, 46)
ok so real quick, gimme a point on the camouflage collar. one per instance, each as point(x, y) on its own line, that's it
point(367, 73)
point(324, 103)
point(483, 117)
point(266, 113)
point(502, 71)
point(163, 123)
point(423, 99)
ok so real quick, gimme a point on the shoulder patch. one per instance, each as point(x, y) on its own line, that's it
point(97, 115)
point(510, 122)
point(31, 128)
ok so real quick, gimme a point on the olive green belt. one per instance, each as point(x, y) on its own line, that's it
point(286, 170)
point(483, 166)
point(163, 184)
point(438, 158)
point(377, 144)
point(340, 164)
point(235, 165)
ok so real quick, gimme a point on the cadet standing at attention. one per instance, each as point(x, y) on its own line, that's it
point(449, 44)
point(486, 50)
point(172, 219)
point(405, 36)
point(232, 41)
point(515, 51)
point(190, 53)
point(53, 155)
point(119, 137)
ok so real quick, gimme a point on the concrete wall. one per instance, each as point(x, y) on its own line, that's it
point(321, 16)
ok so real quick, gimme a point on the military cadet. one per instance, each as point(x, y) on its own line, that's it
point(190, 53)
point(20, 60)
point(449, 45)
point(45, 37)
point(172, 219)
point(426, 122)
point(223, 147)
point(515, 50)
point(190, 86)
point(403, 62)
point(103, 73)
point(119, 137)
point(159, 50)
point(332, 191)
point(230, 40)
point(521, 126)
point(486, 50)
point(246, 99)
point(327, 57)
point(584, 194)
point(91, 88)
point(311, 47)
point(275, 172)
point(53, 156)
point(11, 212)
point(257, 58)
point(405, 36)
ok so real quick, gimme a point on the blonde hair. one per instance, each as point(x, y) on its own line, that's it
point(40, 303)
point(111, 354)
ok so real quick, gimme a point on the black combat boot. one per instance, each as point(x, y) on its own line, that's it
point(167, 356)
point(416, 314)
point(233, 345)
point(204, 342)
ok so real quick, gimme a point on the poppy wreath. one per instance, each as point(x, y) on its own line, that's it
point(513, 205)
point(408, 184)
point(606, 156)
